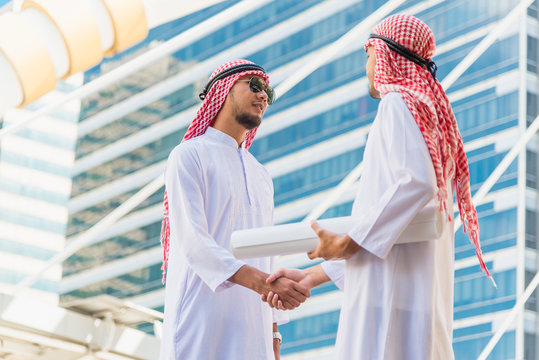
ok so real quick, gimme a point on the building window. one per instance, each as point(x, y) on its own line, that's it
point(532, 54)
point(531, 169)
point(531, 229)
point(531, 304)
point(529, 346)
point(532, 11)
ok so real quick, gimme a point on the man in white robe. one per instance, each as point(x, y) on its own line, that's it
point(398, 298)
point(213, 187)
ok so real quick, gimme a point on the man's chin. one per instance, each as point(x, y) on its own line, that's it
point(252, 126)
point(249, 121)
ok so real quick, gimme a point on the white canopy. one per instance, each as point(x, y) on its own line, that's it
point(92, 329)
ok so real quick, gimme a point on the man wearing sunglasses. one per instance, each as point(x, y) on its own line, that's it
point(213, 187)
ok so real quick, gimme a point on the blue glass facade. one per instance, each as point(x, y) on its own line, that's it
point(488, 101)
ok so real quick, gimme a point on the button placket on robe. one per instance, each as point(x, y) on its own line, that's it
point(245, 177)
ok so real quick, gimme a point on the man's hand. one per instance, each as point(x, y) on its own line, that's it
point(300, 276)
point(333, 246)
point(309, 278)
point(303, 277)
point(290, 292)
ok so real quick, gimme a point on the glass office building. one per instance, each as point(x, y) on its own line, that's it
point(311, 138)
point(35, 186)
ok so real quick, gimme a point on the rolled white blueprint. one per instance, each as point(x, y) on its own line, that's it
point(299, 237)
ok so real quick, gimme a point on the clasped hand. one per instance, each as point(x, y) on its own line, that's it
point(290, 293)
point(300, 276)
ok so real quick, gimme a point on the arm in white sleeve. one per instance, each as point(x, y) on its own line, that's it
point(401, 162)
point(188, 223)
point(334, 269)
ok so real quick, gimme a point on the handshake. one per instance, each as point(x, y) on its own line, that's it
point(286, 289)
point(289, 288)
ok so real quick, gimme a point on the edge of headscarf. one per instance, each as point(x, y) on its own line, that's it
point(192, 132)
point(249, 137)
point(468, 214)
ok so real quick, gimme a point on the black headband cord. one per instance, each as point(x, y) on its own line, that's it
point(233, 70)
point(408, 54)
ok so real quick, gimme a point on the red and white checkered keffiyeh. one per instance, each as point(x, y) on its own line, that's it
point(205, 118)
point(430, 107)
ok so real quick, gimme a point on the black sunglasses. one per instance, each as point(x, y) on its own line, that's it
point(256, 85)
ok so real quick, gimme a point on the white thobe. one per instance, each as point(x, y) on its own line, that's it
point(398, 298)
point(214, 188)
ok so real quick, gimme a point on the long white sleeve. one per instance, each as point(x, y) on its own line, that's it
point(188, 220)
point(397, 180)
point(334, 269)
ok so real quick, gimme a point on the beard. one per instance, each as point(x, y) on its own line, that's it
point(248, 121)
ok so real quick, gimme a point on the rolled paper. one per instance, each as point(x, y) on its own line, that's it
point(300, 237)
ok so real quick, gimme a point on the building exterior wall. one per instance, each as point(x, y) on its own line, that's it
point(310, 140)
point(35, 184)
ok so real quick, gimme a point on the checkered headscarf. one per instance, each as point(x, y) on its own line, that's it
point(411, 72)
point(205, 118)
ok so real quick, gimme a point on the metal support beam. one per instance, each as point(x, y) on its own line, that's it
point(519, 306)
point(353, 34)
point(502, 166)
point(484, 44)
point(193, 73)
point(348, 181)
point(87, 236)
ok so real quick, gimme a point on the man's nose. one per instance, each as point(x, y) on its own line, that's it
point(263, 95)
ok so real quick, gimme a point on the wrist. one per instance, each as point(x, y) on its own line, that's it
point(250, 278)
point(310, 278)
point(259, 282)
point(349, 247)
point(277, 337)
point(316, 275)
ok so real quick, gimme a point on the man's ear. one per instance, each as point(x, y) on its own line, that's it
point(230, 93)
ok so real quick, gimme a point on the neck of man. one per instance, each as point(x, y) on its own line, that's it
point(230, 126)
